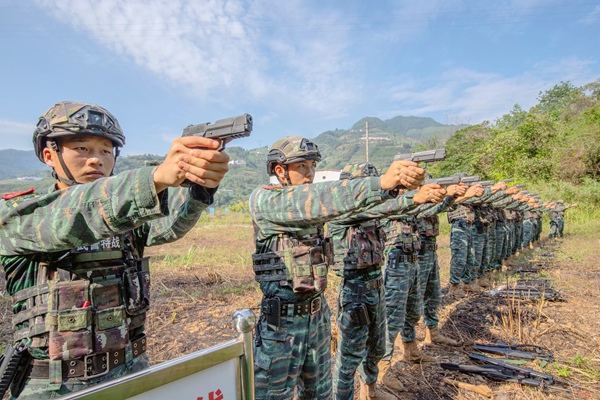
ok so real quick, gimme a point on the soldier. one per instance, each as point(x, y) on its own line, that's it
point(557, 218)
point(293, 338)
point(358, 248)
point(462, 261)
point(428, 225)
point(73, 257)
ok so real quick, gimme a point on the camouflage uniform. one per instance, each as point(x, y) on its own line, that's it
point(557, 220)
point(293, 339)
point(429, 270)
point(358, 243)
point(462, 260)
point(403, 290)
point(91, 237)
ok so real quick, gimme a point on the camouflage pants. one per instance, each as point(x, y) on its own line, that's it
point(553, 228)
point(429, 272)
point(479, 241)
point(561, 226)
point(518, 236)
point(402, 299)
point(41, 389)
point(489, 249)
point(538, 230)
point(510, 225)
point(528, 232)
point(462, 261)
point(359, 346)
point(499, 238)
point(296, 357)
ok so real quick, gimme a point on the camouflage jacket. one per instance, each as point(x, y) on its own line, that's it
point(38, 227)
point(292, 210)
point(340, 228)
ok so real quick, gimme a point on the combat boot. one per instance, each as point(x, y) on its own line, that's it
point(413, 354)
point(484, 282)
point(386, 376)
point(472, 287)
point(455, 291)
point(370, 392)
point(433, 335)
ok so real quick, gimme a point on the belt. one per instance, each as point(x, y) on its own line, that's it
point(356, 286)
point(360, 273)
point(90, 366)
point(309, 307)
point(430, 246)
point(468, 222)
point(410, 258)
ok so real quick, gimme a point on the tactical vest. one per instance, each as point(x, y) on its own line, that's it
point(403, 234)
point(429, 226)
point(364, 247)
point(462, 211)
point(299, 260)
point(86, 301)
point(484, 215)
point(529, 215)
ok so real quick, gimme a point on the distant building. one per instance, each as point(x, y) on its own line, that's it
point(29, 178)
point(237, 162)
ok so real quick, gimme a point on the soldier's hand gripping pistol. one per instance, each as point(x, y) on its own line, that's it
point(224, 129)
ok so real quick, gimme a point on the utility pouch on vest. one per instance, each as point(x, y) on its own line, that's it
point(69, 320)
point(359, 314)
point(136, 284)
point(308, 267)
point(14, 364)
point(271, 309)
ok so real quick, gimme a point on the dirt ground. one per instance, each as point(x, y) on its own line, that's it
point(192, 308)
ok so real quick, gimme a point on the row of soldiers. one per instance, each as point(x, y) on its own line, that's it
point(381, 241)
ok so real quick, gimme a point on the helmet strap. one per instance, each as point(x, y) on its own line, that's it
point(286, 175)
point(70, 181)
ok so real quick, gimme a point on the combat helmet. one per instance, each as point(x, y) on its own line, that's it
point(291, 149)
point(356, 170)
point(69, 118)
point(560, 202)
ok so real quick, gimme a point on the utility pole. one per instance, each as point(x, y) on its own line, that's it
point(367, 139)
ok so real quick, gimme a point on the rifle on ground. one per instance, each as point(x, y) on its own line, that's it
point(423, 156)
point(517, 351)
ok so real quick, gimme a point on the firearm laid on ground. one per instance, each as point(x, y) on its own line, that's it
point(225, 129)
point(517, 351)
point(423, 156)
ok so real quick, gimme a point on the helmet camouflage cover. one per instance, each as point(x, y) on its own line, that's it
point(357, 170)
point(291, 149)
point(69, 118)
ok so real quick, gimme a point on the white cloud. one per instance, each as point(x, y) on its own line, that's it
point(16, 135)
point(222, 50)
point(474, 96)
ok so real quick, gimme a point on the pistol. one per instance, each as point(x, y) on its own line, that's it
point(467, 180)
point(482, 183)
point(423, 156)
point(449, 180)
point(520, 186)
point(225, 129)
point(507, 180)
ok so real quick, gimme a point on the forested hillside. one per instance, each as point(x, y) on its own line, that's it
point(554, 147)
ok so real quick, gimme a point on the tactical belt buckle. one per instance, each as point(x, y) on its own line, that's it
point(91, 363)
point(315, 305)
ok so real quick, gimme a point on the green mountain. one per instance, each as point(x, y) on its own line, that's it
point(247, 169)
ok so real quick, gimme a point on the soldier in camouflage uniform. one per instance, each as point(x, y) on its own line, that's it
point(358, 249)
point(557, 219)
point(293, 340)
point(73, 257)
point(428, 225)
point(462, 261)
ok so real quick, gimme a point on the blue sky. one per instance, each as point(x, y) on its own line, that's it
point(299, 67)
